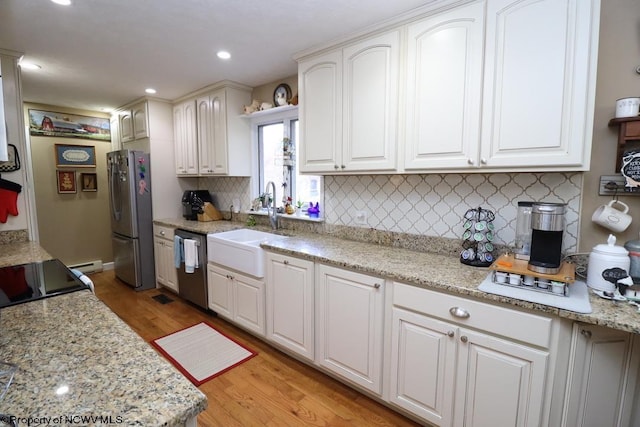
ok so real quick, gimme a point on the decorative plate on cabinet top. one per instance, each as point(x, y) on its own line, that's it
point(281, 95)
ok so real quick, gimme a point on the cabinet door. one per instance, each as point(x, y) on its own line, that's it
point(422, 376)
point(443, 89)
point(161, 268)
point(539, 85)
point(140, 119)
point(219, 142)
point(349, 324)
point(249, 303)
point(126, 127)
point(185, 135)
point(205, 142)
point(114, 125)
point(290, 299)
point(499, 383)
point(320, 112)
point(370, 103)
point(171, 274)
point(603, 375)
point(220, 291)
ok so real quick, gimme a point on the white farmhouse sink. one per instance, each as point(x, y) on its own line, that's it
point(240, 249)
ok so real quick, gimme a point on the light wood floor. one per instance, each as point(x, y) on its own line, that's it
point(271, 389)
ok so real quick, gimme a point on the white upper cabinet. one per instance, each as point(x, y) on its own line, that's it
point(212, 137)
point(349, 107)
point(539, 84)
point(184, 130)
point(443, 89)
point(486, 86)
point(320, 115)
point(134, 123)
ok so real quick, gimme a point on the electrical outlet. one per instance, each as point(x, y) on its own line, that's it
point(361, 217)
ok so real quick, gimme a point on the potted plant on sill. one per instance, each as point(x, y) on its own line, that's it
point(265, 199)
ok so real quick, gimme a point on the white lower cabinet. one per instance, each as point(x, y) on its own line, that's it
point(290, 303)
point(166, 274)
point(237, 297)
point(604, 366)
point(444, 369)
point(349, 325)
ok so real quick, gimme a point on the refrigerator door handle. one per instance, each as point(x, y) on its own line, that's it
point(116, 199)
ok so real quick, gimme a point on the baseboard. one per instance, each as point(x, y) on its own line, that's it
point(89, 267)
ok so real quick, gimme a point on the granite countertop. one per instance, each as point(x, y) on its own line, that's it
point(22, 253)
point(74, 340)
point(423, 269)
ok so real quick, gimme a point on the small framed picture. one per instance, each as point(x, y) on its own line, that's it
point(66, 182)
point(89, 181)
point(75, 156)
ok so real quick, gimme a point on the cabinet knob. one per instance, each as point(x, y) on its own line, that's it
point(470, 160)
point(335, 167)
point(483, 161)
point(162, 233)
point(450, 334)
point(459, 312)
point(464, 338)
point(377, 285)
point(586, 333)
point(285, 262)
point(343, 166)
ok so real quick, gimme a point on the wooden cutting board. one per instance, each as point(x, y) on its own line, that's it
point(509, 264)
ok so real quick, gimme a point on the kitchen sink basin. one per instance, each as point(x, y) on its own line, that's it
point(240, 249)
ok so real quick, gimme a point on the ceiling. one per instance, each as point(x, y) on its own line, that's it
point(101, 54)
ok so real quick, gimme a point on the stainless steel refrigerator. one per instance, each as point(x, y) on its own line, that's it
point(131, 217)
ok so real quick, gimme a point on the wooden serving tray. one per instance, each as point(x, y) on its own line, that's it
point(509, 264)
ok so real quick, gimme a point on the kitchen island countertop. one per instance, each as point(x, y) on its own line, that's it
point(77, 342)
point(422, 269)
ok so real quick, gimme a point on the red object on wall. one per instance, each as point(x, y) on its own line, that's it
point(8, 199)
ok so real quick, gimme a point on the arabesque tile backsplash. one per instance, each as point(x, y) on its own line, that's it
point(430, 205)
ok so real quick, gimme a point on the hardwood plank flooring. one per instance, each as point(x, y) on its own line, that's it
point(271, 389)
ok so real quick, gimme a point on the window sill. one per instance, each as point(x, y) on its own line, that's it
point(301, 217)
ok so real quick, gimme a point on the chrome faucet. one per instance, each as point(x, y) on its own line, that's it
point(273, 215)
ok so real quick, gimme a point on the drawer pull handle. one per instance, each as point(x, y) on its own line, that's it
point(450, 334)
point(586, 333)
point(459, 312)
point(464, 338)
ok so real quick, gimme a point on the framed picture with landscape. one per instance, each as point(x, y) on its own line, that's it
point(64, 125)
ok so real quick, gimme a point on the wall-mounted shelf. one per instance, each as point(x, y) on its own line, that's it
point(270, 111)
point(629, 130)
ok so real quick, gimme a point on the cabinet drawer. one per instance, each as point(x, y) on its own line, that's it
point(496, 320)
point(163, 232)
point(632, 129)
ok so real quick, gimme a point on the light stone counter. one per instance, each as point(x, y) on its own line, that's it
point(424, 269)
point(74, 340)
point(22, 253)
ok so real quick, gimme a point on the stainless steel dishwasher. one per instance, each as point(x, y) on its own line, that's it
point(193, 286)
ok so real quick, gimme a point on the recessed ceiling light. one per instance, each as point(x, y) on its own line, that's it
point(29, 65)
point(150, 90)
point(223, 54)
point(62, 2)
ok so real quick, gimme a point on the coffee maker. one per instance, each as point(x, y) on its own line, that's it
point(547, 228)
point(192, 202)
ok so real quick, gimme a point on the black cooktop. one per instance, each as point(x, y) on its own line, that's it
point(29, 282)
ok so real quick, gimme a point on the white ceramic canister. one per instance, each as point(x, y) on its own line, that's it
point(602, 259)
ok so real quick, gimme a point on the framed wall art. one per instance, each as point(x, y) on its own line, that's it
point(66, 182)
point(63, 125)
point(89, 181)
point(75, 156)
